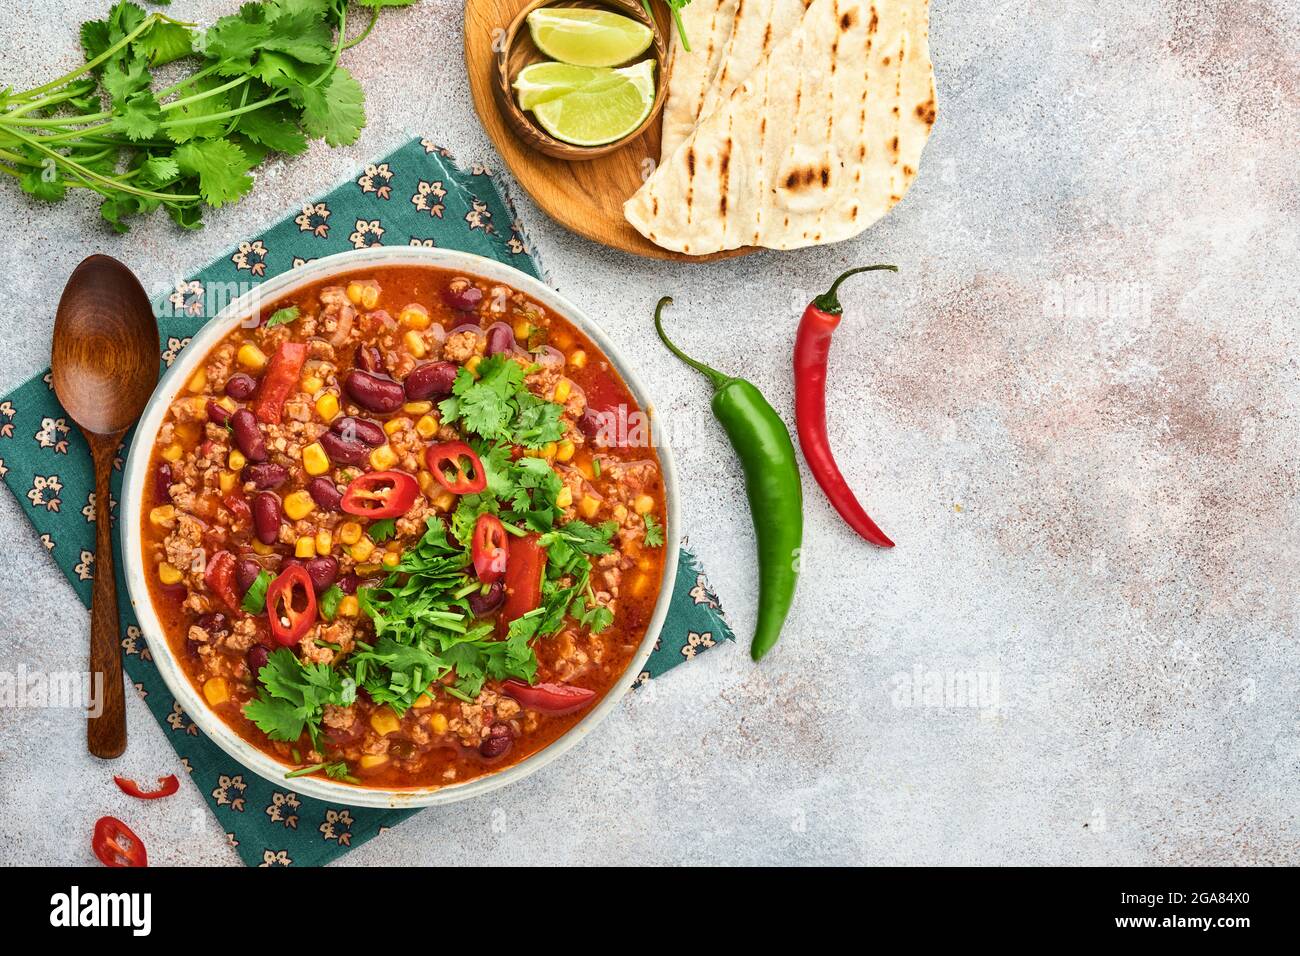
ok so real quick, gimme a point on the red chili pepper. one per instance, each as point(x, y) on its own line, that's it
point(380, 494)
point(116, 845)
point(812, 345)
point(489, 548)
point(450, 457)
point(280, 380)
point(549, 698)
point(523, 579)
point(219, 575)
point(166, 787)
point(289, 622)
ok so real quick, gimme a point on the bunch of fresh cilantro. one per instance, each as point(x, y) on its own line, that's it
point(265, 79)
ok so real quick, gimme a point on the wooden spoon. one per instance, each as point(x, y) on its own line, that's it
point(105, 365)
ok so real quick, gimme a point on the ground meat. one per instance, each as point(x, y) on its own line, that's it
point(462, 346)
point(340, 718)
point(243, 635)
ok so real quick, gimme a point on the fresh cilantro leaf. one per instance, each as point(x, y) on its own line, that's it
point(221, 168)
point(654, 532)
point(158, 170)
point(293, 696)
point(381, 530)
point(282, 317)
point(254, 601)
point(332, 110)
point(140, 116)
point(275, 127)
point(166, 42)
point(329, 602)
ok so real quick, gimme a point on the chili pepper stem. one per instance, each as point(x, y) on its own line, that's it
point(829, 301)
point(712, 374)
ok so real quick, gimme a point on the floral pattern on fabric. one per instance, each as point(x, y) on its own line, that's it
point(45, 463)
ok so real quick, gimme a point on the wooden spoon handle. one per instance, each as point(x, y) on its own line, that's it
point(105, 732)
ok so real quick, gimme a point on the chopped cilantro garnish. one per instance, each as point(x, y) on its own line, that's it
point(654, 532)
point(293, 696)
point(381, 530)
point(329, 602)
point(493, 403)
point(282, 317)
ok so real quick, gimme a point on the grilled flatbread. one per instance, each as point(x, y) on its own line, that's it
point(708, 23)
point(816, 144)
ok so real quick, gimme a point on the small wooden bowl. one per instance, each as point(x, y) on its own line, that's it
point(516, 50)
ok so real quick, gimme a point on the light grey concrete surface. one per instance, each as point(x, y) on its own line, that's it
point(1076, 409)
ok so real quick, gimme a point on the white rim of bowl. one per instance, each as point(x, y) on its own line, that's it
point(135, 474)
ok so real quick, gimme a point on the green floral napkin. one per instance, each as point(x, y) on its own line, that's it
point(415, 196)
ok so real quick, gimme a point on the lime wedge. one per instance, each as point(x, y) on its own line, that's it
point(611, 104)
point(585, 37)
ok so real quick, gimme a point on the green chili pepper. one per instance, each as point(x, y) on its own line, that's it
point(762, 442)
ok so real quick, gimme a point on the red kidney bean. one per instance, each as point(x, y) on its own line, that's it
point(589, 424)
point(497, 742)
point(256, 659)
point(248, 436)
point(374, 392)
point(322, 572)
point(369, 359)
point(372, 433)
point(266, 517)
point(345, 451)
point(218, 414)
point(481, 605)
point(462, 296)
point(325, 493)
point(239, 386)
point(162, 481)
point(214, 623)
point(246, 572)
point(348, 583)
point(500, 338)
point(430, 380)
point(267, 476)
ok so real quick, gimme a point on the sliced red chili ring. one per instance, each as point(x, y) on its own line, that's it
point(549, 698)
point(291, 605)
point(219, 575)
point(166, 787)
point(380, 494)
point(489, 548)
point(523, 579)
point(116, 845)
point(447, 462)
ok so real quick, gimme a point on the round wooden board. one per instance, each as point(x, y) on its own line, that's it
point(585, 197)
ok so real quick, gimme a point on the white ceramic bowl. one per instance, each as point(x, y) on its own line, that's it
point(136, 475)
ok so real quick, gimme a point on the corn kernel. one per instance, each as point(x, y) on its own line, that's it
point(251, 357)
point(565, 450)
point(362, 549)
point(620, 512)
point(421, 702)
point(227, 481)
point(584, 466)
point(392, 559)
point(640, 583)
point(314, 459)
point(383, 458)
point(417, 408)
point(187, 433)
point(578, 359)
point(349, 532)
point(414, 317)
point(260, 548)
point(445, 501)
point(371, 761)
point(428, 487)
point(560, 338)
point(162, 515)
point(427, 426)
point(349, 606)
point(312, 384)
point(228, 403)
point(438, 723)
point(324, 542)
point(198, 381)
point(354, 292)
point(236, 461)
point(369, 569)
point(298, 505)
point(565, 497)
point(395, 425)
point(471, 365)
point(414, 344)
point(168, 574)
point(562, 389)
point(173, 452)
point(645, 564)
point(370, 296)
point(523, 329)
point(305, 547)
point(216, 691)
point(643, 504)
point(393, 545)
point(549, 450)
point(588, 506)
point(327, 406)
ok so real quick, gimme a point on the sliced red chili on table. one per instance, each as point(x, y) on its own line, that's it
point(116, 845)
point(527, 559)
point(291, 605)
point(489, 548)
point(279, 382)
point(380, 494)
point(549, 698)
point(448, 462)
point(166, 787)
point(219, 575)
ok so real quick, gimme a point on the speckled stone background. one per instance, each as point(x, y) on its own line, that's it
point(1075, 409)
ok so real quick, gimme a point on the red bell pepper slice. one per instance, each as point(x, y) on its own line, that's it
point(279, 382)
point(489, 548)
point(291, 605)
point(380, 494)
point(524, 568)
point(219, 575)
point(447, 462)
point(166, 787)
point(549, 698)
point(116, 845)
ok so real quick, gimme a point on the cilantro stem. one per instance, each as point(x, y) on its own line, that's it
point(212, 117)
point(215, 91)
point(145, 25)
point(110, 181)
point(374, 18)
point(189, 80)
point(54, 121)
point(59, 97)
